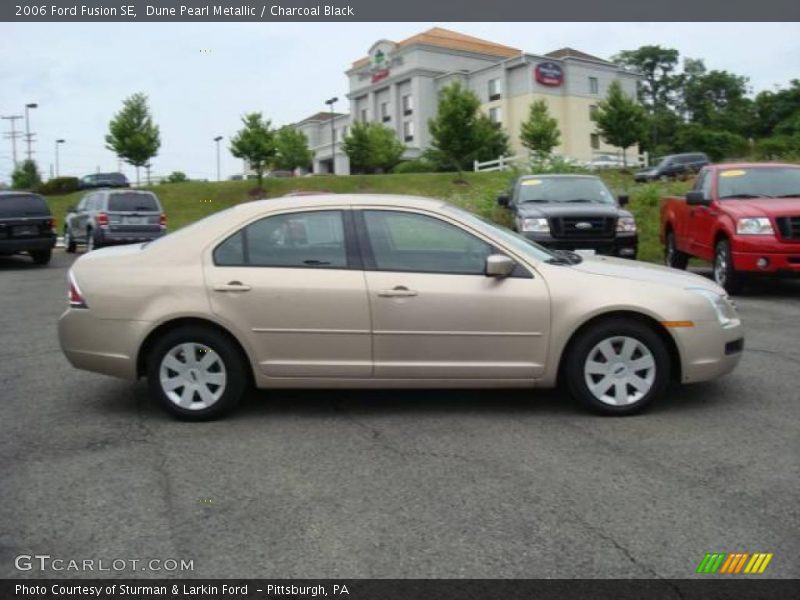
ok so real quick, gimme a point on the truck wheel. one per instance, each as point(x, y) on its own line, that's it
point(41, 257)
point(69, 241)
point(724, 274)
point(672, 256)
point(617, 367)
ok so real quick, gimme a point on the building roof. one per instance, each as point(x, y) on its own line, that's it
point(452, 40)
point(322, 115)
point(568, 52)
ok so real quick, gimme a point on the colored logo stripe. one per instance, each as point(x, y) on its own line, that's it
point(734, 563)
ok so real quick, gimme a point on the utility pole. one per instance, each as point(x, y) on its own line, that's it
point(13, 135)
point(330, 102)
point(28, 134)
point(58, 143)
point(217, 140)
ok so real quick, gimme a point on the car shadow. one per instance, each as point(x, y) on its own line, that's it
point(761, 286)
point(19, 262)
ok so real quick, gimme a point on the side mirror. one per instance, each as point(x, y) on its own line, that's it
point(71, 209)
point(499, 265)
point(504, 200)
point(697, 199)
point(623, 199)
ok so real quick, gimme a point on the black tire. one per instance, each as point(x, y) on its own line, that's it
point(69, 241)
point(672, 256)
point(578, 353)
point(41, 257)
point(725, 275)
point(235, 369)
point(91, 243)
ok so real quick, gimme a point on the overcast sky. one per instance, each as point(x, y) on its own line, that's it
point(201, 78)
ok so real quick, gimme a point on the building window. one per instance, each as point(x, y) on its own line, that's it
point(594, 140)
point(385, 116)
point(495, 115)
point(408, 104)
point(592, 111)
point(364, 115)
point(594, 86)
point(495, 90)
point(408, 131)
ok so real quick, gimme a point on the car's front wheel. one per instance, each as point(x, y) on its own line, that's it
point(617, 366)
point(725, 275)
point(196, 373)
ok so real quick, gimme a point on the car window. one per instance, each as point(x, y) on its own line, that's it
point(305, 239)
point(23, 205)
point(403, 241)
point(131, 202)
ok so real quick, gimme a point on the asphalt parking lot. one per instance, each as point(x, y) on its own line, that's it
point(510, 484)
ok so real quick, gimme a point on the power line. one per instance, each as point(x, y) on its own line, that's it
point(13, 135)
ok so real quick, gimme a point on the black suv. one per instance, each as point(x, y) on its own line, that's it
point(104, 180)
point(572, 212)
point(674, 165)
point(114, 217)
point(26, 225)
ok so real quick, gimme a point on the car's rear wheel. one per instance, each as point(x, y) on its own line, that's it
point(672, 256)
point(196, 373)
point(725, 274)
point(41, 257)
point(617, 367)
point(69, 242)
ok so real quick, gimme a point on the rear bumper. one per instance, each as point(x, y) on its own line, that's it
point(13, 245)
point(107, 237)
point(707, 350)
point(622, 246)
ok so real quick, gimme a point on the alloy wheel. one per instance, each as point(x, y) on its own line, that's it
point(620, 370)
point(721, 267)
point(192, 376)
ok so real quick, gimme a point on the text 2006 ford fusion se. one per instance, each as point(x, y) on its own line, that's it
point(386, 291)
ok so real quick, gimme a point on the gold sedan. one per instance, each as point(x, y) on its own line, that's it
point(348, 291)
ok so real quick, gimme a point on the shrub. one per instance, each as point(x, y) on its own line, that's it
point(177, 177)
point(58, 185)
point(779, 147)
point(417, 165)
point(717, 144)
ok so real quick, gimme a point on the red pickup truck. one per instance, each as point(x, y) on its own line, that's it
point(744, 218)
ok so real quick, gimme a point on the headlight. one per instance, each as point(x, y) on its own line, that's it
point(722, 305)
point(755, 226)
point(535, 225)
point(626, 224)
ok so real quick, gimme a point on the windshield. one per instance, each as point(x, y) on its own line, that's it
point(23, 205)
point(518, 242)
point(759, 182)
point(564, 189)
point(131, 202)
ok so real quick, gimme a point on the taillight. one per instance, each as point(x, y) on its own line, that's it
point(163, 220)
point(74, 294)
point(52, 223)
point(102, 219)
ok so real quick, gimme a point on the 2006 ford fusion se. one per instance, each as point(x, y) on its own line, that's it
point(379, 291)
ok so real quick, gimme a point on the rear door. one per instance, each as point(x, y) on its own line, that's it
point(292, 283)
point(133, 212)
point(435, 314)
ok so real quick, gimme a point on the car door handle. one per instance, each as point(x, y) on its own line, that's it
point(399, 291)
point(232, 286)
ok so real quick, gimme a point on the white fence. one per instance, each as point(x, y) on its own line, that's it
point(519, 161)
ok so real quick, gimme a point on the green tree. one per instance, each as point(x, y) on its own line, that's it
point(292, 149)
point(778, 111)
point(540, 133)
point(460, 133)
point(132, 134)
point(371, 147)
point(620, 119)
point(177, 177)
point(717, 99)
point(719, 145)
point(25, 176)
point(255, 143)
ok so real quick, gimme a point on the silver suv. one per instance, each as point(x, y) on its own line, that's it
point(110, 217)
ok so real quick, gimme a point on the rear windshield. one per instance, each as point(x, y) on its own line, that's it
point(133, 202)
point(115, 177)
point(23, 205)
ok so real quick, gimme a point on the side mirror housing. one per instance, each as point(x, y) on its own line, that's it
point(697, 199)
point(499, 265)
point(623, 199)
point(504, 200)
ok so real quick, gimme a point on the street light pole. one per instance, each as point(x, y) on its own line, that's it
point(217, 140)
point(28, 136)
point(58, 143)
point(330, 102)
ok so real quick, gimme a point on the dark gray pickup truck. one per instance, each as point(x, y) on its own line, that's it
point(26, 225)
point(572, 212)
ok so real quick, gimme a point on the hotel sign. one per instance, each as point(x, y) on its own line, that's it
point(381, 59)
point(549, 73)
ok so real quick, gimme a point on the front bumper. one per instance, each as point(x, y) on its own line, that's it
point(782, 258)
point(14, 245)
point(707, 350)
point(107, 346)
point(624, 246)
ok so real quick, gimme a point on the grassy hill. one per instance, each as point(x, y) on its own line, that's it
point(187, 202)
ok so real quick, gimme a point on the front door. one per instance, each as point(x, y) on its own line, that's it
point(435, 315)
point(702, 219)
point(288, 283)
